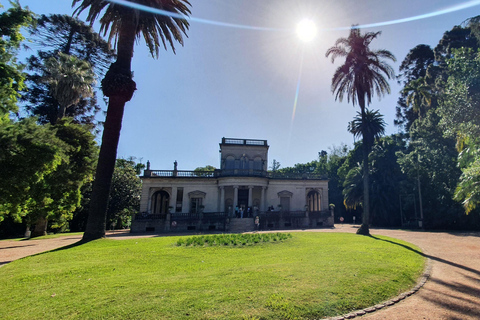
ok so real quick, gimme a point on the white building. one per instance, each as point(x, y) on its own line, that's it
point(229, 198)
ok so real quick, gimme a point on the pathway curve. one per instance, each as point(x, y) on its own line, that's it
point(452, 292)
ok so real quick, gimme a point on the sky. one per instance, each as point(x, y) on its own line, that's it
point(243, 72)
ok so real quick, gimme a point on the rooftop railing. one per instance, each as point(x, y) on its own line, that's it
point(232, 173)
point(248, 142)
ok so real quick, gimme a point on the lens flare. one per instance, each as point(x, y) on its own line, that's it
point(458, 7)
point(306, 30)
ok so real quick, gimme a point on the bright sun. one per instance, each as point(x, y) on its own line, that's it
point(306, 30)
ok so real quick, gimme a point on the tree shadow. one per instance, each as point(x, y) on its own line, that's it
point(464, 234)
point(458, 287)
point(457, 303)
point(70, 246)
point(453, 264)
point(13, 247)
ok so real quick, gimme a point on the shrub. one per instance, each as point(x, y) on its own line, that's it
point(233, 239)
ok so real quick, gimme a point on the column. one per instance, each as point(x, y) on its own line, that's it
point(250, 196)
point(262, 200)
point(173, 200)
point(235, 197)
point(222, 199)
point(149, 201)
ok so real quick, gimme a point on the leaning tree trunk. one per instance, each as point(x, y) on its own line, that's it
point(119, 87)
point(365, 228)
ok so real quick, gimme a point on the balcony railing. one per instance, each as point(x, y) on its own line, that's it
point(248, 142)
point(179, 216)
point(232, 172)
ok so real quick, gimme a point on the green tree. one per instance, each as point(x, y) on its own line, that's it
point(70, 80)
point(385, 182)
point(201, 171)
point(418, 95)
point(125, 25)
point(413, 67)
point(459, 108)
point(11, 72)
point(362, 75)
point(275, 166)
point(430, 163)
point(124, 200)
point(68, 35)
point(60, 192)
point(29, 154)
point(370, 127)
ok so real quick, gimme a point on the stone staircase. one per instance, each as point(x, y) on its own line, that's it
point(241, 225)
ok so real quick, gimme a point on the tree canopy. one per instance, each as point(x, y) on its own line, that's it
point(11, 72)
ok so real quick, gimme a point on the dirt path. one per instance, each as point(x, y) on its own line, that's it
point(452, 292)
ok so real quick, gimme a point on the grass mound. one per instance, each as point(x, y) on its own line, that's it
point(310, 276)
point(234, 239)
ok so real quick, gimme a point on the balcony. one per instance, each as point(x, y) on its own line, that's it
point(244, 142)
point(231, 173)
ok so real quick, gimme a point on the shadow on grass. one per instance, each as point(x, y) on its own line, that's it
point(453, 264)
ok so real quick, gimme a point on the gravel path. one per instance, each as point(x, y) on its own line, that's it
point(452, 291)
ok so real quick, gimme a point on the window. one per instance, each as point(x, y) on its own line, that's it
point(195, 205)
point(285, 203)
point(257, 164)
point(229, 163)
point(160, 200)
point(285, 197)
point(178, 207)
point(313, 201)
point(196, 201)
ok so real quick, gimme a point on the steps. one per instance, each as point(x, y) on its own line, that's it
point(242, 225)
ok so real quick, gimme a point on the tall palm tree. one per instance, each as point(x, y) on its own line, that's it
point(70, 80)
point(362, 75)
point(125, 25)
point(370, 128)
point(419, 96)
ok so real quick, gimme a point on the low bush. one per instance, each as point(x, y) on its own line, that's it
point(244, 239)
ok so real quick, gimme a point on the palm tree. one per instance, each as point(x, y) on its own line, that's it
point(419, 96)
point(362, 75)
point(70, 80)
point(126, 24)
point(370, 128)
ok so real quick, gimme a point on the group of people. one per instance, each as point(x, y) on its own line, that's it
point(242, 212)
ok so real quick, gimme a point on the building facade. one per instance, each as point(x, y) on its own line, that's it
point(240, 196)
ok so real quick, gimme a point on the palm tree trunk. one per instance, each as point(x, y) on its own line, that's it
point(365, 227)
point(119, 86)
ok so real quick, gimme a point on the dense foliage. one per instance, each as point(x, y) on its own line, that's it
point(424, 175)
point(47, 162)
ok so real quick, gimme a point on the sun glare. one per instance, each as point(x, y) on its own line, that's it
point(306, 30)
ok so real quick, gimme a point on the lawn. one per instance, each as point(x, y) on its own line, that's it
point(310, 275)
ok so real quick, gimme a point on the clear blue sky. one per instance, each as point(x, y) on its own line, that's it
point(242, 83)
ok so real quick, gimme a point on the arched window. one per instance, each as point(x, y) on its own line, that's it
point(313, 201)
point(160, 201)
point(257, 163)
point(229, 163)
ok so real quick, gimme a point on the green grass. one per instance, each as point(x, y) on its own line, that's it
point(311, 275)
